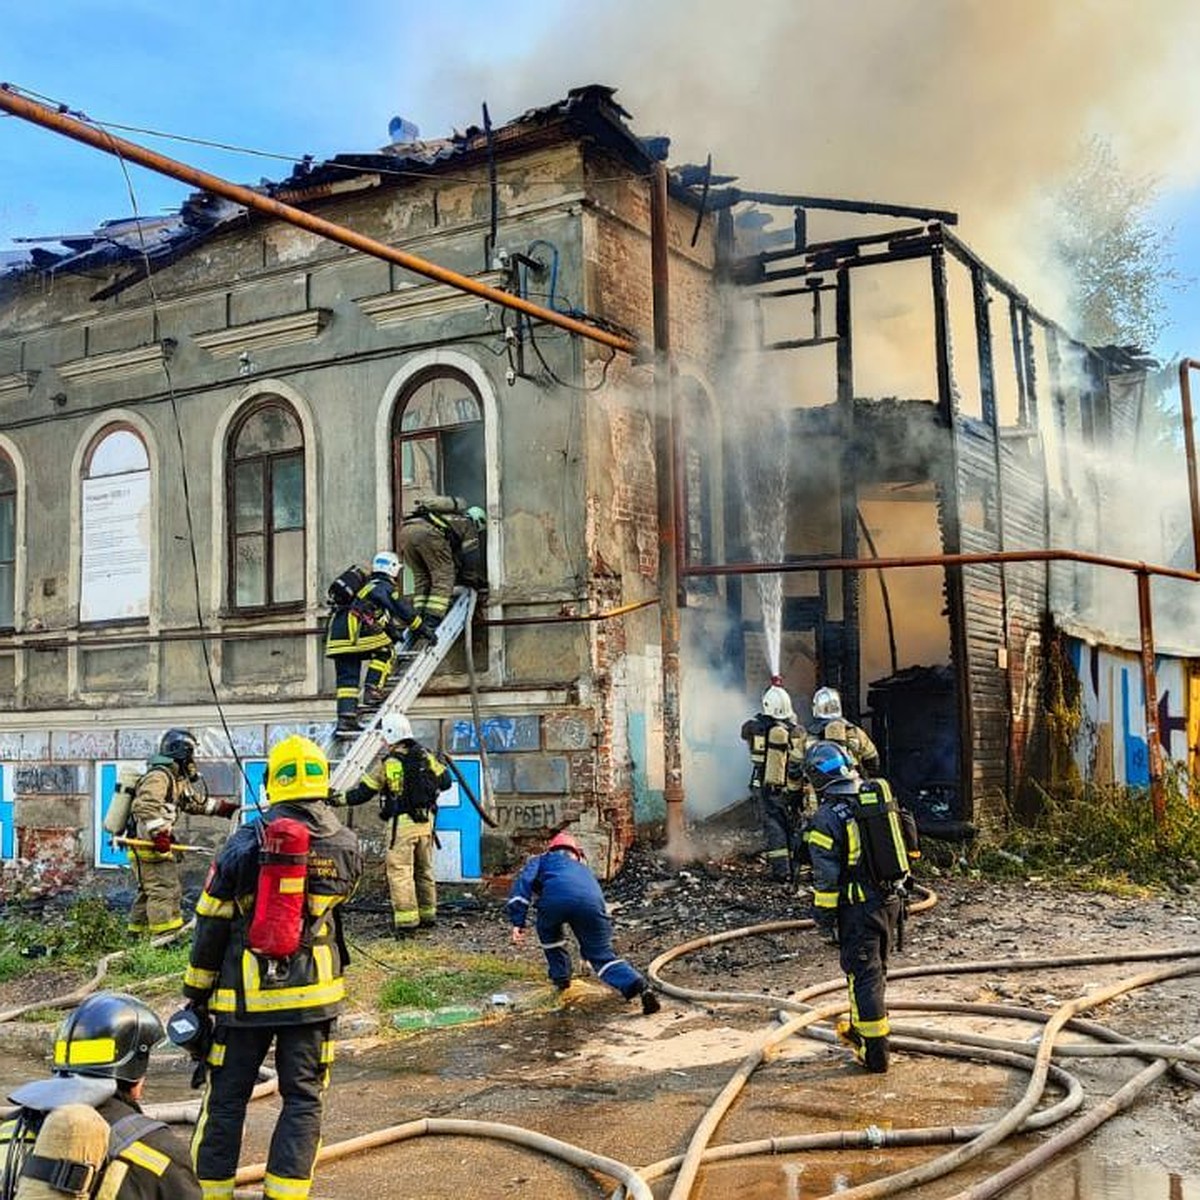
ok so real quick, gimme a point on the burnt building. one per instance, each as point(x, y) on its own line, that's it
point(205, 417)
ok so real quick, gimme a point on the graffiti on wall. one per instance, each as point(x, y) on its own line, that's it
point(1111, 746)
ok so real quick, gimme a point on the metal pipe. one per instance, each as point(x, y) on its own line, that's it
point(101, 139)
point(1189, 445)
point(1150, 693)
point(670, 573)
point(942, 560)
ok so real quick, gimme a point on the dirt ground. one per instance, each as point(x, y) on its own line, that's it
point(596, 1073)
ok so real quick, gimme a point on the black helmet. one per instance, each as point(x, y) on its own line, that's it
point(110, 1036)
point(830, 769)
point(178, 744)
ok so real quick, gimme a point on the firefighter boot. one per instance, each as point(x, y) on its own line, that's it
point(347, 726)
point(650, 1002)
point(869, 1052)
point(373, 697)
point(849, 1036)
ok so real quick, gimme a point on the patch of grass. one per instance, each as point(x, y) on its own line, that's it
point(145, 964)
point(432, 978)
point(32, 940)
point(1100, 838)
point(12, 965)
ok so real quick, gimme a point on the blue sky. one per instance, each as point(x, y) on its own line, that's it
point(876, 122)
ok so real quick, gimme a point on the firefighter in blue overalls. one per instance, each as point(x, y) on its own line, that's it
point(255, 1000)
point(442, 545)
point(365, 631)
point(776, 744)
point(567, 894)
point(859, 851)
point(406, 778)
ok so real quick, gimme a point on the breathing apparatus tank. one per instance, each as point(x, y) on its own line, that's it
point(889, 840)
point(116, 819)
point(278, 919)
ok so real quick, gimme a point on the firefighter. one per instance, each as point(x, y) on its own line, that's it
point(101, 1056)
point(246, 1002)
point(829, 725)
point(566, 893)
point(406, 779)
point(365, 631)
point(857, 899)
point(776, 745)
point(171, 785)
point(442, 546)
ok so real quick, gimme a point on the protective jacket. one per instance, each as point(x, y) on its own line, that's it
point(154, 1163)
point(159, 797)
point(406, 780)
point(846, 733)
point(377, 617)
point(239, 988)
point(160, 1166)
point(776, 762)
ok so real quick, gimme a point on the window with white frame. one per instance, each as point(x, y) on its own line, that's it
point(115, 527)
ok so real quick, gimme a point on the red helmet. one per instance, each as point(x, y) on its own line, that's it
point(564, 841)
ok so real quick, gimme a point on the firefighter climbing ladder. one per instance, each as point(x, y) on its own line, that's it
point(414, 669)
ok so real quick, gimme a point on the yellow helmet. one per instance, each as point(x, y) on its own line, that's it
point(297, 769)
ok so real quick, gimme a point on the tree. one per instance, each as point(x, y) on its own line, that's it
point(1119, 264)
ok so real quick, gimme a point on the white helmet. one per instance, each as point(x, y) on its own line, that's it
point(778, 704)
point(396, 727)
point(826, 703)
point(386, 563)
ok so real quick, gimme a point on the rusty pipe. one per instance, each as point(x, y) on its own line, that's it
point(101, 139)
point(942, 560)
point(667, 501)
point(1158, 801)
point(1189, 445)
point(569, 618)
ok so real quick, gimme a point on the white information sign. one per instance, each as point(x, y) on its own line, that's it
point(115, 581)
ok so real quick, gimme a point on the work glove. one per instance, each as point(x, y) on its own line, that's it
point(203, 1043)
point(424, 631)
point(227, 808)
point(162, 841)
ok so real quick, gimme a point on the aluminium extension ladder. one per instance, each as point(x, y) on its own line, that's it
point(414, 668)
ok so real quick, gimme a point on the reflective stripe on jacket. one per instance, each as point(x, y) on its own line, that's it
point(243, 988)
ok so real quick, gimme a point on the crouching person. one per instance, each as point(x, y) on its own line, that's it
point(101, 1055)
point(567, 895)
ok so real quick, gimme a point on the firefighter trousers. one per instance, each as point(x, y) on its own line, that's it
point(158, 900)
point(348, 669)
point(303, 1057)
point(593, 932)
point(429, 555)
point(779, 833)
point(865, 933)
point(409, 868)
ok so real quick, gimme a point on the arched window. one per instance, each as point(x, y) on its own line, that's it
point(8, 542)
point(437, 441)
point(114, 580)
point(265, 478)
